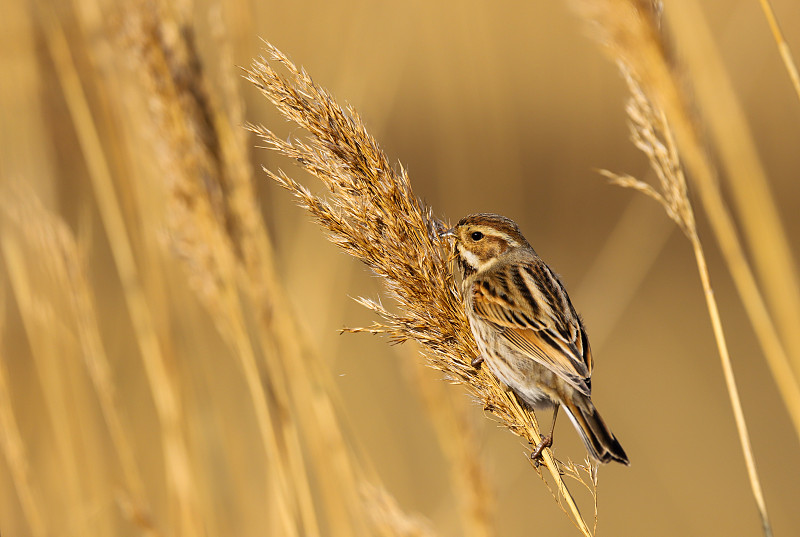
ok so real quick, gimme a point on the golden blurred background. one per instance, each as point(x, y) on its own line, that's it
point(500, 107)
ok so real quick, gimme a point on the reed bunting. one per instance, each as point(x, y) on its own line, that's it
point(527, 331)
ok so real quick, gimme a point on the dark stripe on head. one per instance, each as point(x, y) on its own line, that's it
point(500, 223)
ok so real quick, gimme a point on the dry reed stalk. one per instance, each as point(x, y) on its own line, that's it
point(25, 119)
point(46, 237)
point(783, 46)
point(631, 33)
point(757, 212)
point(216, 229)
point(39, 316)
point(457, 439)
point(372, 213)
point(165, 393)
point(181, 131)
point(651, 134)
point(339, 475)
point(631, 36)
point(13, 447)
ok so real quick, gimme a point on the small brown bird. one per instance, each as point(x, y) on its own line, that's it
point(527, 331)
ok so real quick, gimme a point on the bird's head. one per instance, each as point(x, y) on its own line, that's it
point(481, 239)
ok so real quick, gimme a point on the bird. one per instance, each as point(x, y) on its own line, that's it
point(527, 330)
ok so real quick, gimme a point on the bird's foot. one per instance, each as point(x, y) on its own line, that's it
point(477, 361)
point(544, 443)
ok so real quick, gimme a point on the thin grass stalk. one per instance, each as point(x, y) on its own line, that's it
point(783, 46)
point(457, 438)
point(757, 212)
point(293, 367)
point(629, 31)
point(38, 317)
point(13, 447)
point(372, 213)
point(164, 392)
point(180, 125)
point(284, 359)
point(651, 133)
point(733, 390)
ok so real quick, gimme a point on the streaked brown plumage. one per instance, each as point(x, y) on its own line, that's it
point(527, 330)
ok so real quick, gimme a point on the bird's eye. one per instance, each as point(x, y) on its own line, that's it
point(477, 235)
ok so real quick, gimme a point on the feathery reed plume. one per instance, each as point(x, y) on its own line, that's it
point(651, 135)
point(372, 213)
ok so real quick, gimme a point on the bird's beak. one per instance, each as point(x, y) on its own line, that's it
point(449, 234)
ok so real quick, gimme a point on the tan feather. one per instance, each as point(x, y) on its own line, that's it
point(532, 329)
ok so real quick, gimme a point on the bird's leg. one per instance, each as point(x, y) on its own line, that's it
point(477, 361)
point(546, 441)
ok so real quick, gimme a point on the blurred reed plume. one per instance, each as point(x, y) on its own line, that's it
point(215, 228)
point(200, 216)
point(371, 212)
point(63, 274)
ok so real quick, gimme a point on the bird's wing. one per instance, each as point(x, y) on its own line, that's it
point(532, 311)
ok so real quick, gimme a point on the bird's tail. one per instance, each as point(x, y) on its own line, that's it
point(600, 441)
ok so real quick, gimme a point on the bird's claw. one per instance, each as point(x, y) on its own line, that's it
point(544, 443)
